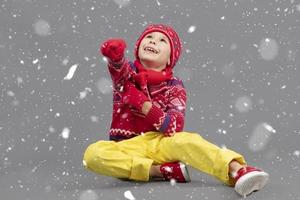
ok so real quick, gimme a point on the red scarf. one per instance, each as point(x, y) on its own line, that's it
point(154, 77)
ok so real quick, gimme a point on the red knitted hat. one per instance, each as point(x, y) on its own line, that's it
point(175, 42)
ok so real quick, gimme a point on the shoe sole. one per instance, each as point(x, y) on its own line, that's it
point(251, 182)
point(185, 172)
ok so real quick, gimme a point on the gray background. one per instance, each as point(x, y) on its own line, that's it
point(240, 66)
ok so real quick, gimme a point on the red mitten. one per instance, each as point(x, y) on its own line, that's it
point(113, 49)
point(133, 96)
point(141, 79)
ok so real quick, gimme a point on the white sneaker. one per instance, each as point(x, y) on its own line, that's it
point(249, 179)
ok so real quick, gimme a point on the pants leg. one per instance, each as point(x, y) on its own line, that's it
point(125, 159)
point(193, 150)
point(133, 158)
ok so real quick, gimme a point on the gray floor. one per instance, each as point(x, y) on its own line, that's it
point(41, 184)
point(240, 66)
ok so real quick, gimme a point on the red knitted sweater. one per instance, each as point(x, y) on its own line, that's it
point(167, 112)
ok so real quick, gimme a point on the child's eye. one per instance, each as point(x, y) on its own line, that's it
point(163, 40)
point(149, 36)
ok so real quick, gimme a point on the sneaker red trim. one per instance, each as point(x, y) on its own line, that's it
point(245, 170)
point(249, 179)
point(175, 170)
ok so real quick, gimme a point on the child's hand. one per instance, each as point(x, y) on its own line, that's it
point(133, 96)
point(113, 49)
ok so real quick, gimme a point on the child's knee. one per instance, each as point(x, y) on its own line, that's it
point(87, 156)
point(183, 138)
point(91, 153)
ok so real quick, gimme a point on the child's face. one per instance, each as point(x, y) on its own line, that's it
point(154, 51)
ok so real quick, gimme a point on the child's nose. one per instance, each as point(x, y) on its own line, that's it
point(153, 42)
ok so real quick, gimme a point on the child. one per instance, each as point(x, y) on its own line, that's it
point(146, 135)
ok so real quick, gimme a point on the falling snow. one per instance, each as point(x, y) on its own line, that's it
point(83, 93)
point(104, 85)
point(71, 72)
point(128, 195)
point(65, 133)
point(88, 195)
point(191, 29)
point(122, 3)
point(239, 65)
point(42, 27)
point(243, 104)
point(268, 49)
point(260, 137)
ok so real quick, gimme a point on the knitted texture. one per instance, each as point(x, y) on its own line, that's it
point(168, 97)
point(166, 115)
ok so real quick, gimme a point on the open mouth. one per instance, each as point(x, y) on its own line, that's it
point(150, 50)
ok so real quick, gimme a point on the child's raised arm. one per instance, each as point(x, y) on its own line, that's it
point(119, 68)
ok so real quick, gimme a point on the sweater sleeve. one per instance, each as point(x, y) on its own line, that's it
point(119, 72)
point(172, 120)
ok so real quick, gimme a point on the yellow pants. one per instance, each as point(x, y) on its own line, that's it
point(133, 158)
